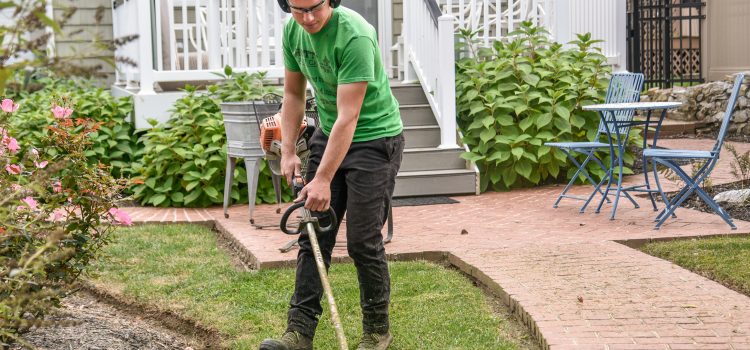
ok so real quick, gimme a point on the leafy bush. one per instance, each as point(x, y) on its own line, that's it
point(113, 143)
point(55, 215)
point(184, 160)
point(515, 96)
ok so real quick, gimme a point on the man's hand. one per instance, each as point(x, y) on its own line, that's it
point(318, 194)
point(290, 166)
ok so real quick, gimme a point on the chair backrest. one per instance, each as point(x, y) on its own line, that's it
point(623, 88)
point(728, 114)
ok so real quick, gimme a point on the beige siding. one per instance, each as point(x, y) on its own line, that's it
point(81, 29)
point(727, 38)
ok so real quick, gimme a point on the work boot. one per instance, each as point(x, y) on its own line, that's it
point(289, 341)
point(372, 341)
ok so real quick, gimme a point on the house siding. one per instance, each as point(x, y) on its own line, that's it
point(81, 29)
point(727, 48)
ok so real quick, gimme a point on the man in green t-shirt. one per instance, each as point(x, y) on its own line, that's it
point(355, 156)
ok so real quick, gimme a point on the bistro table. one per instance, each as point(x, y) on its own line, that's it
point(619, 118)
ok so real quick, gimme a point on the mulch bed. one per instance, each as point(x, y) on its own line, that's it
point(98, 325)
point(738, 212)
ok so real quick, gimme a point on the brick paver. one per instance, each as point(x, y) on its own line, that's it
point(565, 274)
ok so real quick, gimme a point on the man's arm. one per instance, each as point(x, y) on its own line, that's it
point(292, 112)
point(349, 99)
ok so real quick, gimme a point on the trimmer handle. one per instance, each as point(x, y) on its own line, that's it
point(297, 185)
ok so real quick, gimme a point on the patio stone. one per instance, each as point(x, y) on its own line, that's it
point(572, 278)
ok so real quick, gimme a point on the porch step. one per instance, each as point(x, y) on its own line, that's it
point(422, 136)
point(671, 127)
point(426, 159)
point(409, 94)
point(412, 115)
point(435, 182)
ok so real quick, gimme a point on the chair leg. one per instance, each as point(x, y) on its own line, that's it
point(581, 170)
point(648, 184)
point(606, 192)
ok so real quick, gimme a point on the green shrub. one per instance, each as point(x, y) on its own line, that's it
point(515, 96)
point(55, 215)
point(113, 144)
point(184, 160)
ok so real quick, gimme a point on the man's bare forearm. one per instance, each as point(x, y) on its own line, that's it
point(292, 112)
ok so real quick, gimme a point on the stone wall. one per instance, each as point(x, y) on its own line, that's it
point(707, 103)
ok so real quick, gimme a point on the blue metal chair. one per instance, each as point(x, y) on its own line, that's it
point(623, 87)
point(670, 158)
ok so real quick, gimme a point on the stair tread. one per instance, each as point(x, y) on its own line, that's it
point(421, 127)
point(416, 105)
point(433, 149)
point(436, 172)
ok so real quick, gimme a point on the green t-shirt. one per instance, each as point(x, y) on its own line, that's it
point(344, 51)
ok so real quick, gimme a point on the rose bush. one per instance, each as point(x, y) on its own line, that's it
point(56, 210)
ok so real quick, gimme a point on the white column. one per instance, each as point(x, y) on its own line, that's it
point(408, 31)
point(145, 48)
point(50, 12)
point(447, 85)
point(560, 29)
point(212, 33)
point(621, 43)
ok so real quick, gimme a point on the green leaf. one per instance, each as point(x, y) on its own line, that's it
point(192, 196)
point(577, 121)
point(505, 120)
point(151, 183)
point(517, 152)
point(211, 192)
point(562, 111)
point(523, 168)
point(191, 185)
point(526, 123)
point(487, 134)
point(158, 199)
point(543, 120)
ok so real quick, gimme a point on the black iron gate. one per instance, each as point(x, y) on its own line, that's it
point(664, 41)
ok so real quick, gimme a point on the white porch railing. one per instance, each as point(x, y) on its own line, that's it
point(191, 39)
point(494, 19)
point(430, 57)
point(428, 38)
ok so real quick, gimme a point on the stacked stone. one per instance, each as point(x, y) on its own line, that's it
point(707, 103)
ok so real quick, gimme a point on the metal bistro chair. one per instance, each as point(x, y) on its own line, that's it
point(670, 157)
point(623, 88)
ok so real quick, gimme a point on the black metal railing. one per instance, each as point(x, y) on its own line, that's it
point(664, 41)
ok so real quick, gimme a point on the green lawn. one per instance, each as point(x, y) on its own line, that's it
point(180, 268)
point(722, 259)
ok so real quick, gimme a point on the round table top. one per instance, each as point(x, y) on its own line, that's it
point(631, 105)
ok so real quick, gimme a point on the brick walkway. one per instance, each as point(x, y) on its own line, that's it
point(544, 261)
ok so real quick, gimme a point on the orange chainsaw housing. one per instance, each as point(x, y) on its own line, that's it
point(270, 130)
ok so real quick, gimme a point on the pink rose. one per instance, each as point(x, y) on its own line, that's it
point(57, 187)
point(13, 145)
point(35, 153)
point(58, 214)
point(30, 202)
point(121, 216)
point(41, 165)
point(13, 169)
point(8, 106)
point(61, 112)
point(16, 187)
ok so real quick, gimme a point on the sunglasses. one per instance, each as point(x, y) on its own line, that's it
point(303, 10)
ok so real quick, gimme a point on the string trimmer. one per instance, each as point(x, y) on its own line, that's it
point(312, 227)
